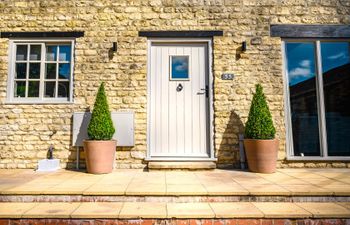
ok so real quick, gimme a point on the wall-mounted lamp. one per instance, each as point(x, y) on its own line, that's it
point(114, 48)
point(244, 46)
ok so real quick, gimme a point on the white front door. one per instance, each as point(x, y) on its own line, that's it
point(178, 89)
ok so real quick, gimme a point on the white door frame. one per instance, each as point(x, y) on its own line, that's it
point(210, 114)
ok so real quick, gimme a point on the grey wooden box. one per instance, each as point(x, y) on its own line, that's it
point(123, 123)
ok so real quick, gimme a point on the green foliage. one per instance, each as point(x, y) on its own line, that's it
point(259, 124)
point(101, 124)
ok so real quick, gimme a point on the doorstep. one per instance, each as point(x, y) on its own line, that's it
point(161, 210)
point(193, 165)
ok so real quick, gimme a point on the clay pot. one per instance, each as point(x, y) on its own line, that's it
point(261, 155)
point(99, 156)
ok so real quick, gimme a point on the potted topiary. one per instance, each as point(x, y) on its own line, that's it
point(100, 148)
point(259, 137)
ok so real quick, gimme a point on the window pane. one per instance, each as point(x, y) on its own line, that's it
point(303, 100)
point(20, 89)
point(35, 52)
point(50, 88)
point(63, 89)
point(51, 53)
point(22, 52)
point(64, 71)
point(65, 53)
point(50, 72)
point(336, 86)
point(34, 70)
point(179, 67)
point(21, 70)
point(33, 89)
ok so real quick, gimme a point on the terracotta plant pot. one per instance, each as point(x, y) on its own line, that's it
point(99, 156)
point(261, 155)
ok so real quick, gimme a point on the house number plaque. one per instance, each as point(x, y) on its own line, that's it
point(227, 76)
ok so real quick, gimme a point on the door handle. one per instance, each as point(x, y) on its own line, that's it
point(205, 91)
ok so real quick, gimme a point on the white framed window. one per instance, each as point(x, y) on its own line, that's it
point(41, 71)
point(317, 84)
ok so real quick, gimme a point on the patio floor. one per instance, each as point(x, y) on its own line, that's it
point(288, 194)
point(285, 182)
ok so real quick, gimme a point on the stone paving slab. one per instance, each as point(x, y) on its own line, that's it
point(157, 210)
point(219, 188)
point(306, 189)
point(324, 209)
point(185, 189)
point(189, 210)
point(236, 210)
point(143, 210)
point(98, 210)
point(145, 189)
point(344, 204)
point(51, 210)
point(269, 189)
point(106, 189)
point(14, 209)
point(282, 210)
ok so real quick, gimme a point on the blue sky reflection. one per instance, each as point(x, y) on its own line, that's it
point(301, 62)
point(179, 67)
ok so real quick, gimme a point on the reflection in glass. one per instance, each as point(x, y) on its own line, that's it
point(65, 53)
point(50, 71)
point(21, 70)
point(336, 86)
point(34, 70)
point(51, 53)
point(21, 53)
point(35, 52)
point(63, 89)
point(303, 100)
point(64, 71)
point(50, 89)
point(33, 89)
point(20, 89)
point(179, 67)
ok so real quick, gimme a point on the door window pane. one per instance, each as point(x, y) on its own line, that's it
point(50, 71)
point(33, 89)
point(35, 52)
point(179, 67)
point(21, 53)
point(20, 89)
point(34, 71)
point(336, 86)
point(303, 99)
point(21, 70)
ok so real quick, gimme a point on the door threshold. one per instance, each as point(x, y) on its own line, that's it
point(178, 159)
point(199, 165)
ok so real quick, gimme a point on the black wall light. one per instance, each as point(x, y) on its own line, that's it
point(244, 46)
point(114, 48)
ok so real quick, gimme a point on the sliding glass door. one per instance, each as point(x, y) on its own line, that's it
point(318, 84)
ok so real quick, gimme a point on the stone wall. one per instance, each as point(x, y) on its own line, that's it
point(28, 130)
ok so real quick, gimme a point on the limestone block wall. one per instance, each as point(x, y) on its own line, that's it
point(26, 131)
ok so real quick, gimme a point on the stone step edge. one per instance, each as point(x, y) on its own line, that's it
point(168, 199)
point(142, 210)
point(221, 221)
point(179, 194)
